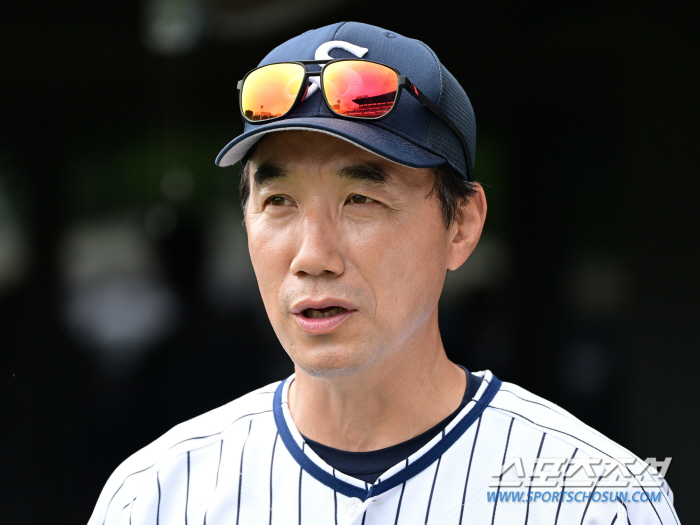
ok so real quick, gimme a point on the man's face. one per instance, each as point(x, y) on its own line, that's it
point(349, 251)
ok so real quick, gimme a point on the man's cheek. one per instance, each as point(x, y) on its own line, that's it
point(399, 261)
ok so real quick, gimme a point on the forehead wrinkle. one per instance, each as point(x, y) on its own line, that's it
point(267, 173)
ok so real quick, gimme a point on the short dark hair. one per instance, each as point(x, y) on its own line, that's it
point(450, 188)
point(452, 191)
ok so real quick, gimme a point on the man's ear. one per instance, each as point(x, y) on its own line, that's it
point(466, 229)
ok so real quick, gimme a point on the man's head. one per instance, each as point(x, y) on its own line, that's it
point(353, 222)
point(331, 225)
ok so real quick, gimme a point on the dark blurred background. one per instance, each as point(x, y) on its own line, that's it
point(127, 300)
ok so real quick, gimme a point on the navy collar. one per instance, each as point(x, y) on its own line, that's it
point(473, 411)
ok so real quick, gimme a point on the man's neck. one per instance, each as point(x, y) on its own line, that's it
point(406, 394)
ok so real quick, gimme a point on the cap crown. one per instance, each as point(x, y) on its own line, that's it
point(410, 58)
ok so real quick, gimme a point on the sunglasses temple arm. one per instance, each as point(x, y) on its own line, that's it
point(239, 86)
point(418, 95)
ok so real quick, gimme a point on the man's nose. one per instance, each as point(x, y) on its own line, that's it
point(318, 242)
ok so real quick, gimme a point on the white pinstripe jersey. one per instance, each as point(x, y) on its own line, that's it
point(245, 463)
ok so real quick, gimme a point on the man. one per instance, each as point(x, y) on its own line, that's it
point(359, 196)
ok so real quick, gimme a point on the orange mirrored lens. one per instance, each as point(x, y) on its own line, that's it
point(270, 91)
point(360, 89)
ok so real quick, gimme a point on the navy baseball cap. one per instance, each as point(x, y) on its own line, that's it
point(412, 135)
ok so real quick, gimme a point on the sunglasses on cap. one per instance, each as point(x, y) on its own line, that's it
point(353, 89)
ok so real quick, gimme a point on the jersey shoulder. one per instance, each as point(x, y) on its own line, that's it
point(542, 416)
point(190, 435)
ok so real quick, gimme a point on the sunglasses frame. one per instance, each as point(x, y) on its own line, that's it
point(403, 82)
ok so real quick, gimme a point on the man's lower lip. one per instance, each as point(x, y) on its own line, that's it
point(321, 325)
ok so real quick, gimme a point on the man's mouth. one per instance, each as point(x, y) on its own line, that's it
point(313, 313)
point(322, 315)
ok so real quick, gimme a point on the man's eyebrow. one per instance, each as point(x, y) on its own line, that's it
point(268, 172)
point(366, 173)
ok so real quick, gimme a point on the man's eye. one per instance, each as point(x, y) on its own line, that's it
point(278, 200)
point(360, 199)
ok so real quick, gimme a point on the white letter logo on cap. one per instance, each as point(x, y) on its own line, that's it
point(322, 54)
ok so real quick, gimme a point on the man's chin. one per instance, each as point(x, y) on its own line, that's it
point(333, 363)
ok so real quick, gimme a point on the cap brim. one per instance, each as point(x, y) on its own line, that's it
point(367, 136)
